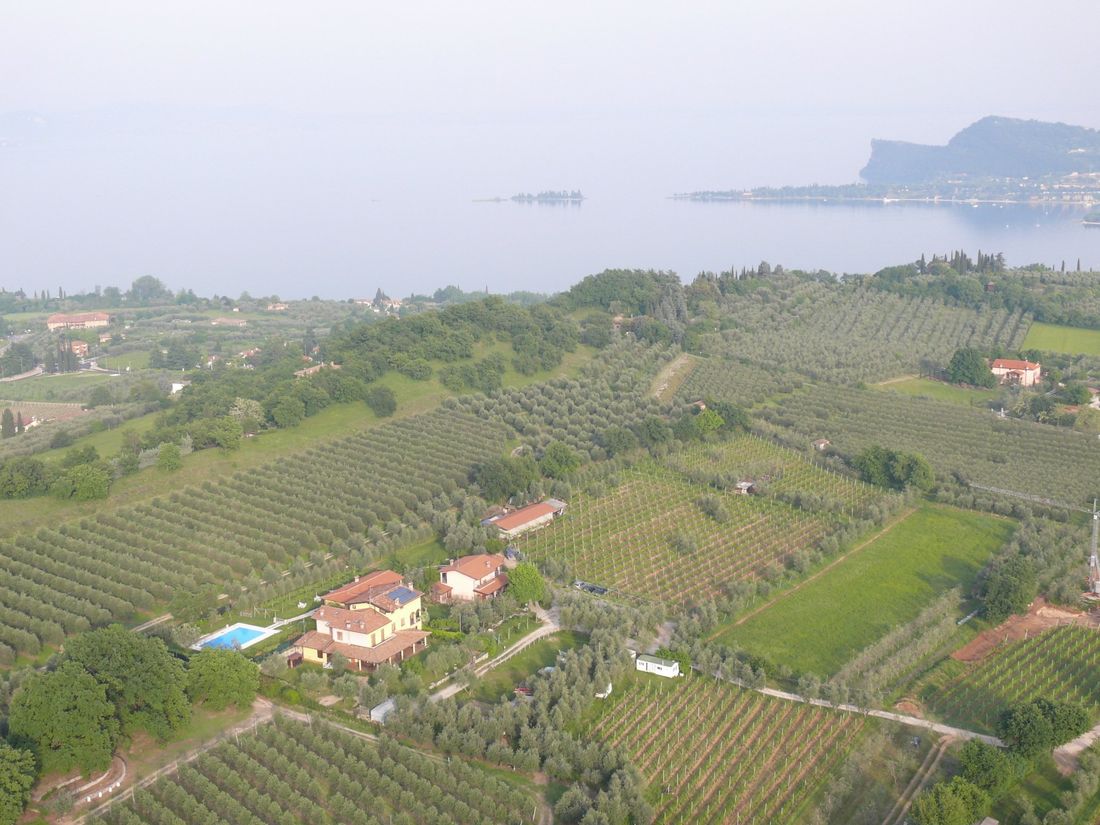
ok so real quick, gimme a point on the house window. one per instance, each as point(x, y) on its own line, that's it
point(339, 634)
point(372, 642)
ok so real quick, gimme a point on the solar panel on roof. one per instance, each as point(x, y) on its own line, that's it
point(401, 595)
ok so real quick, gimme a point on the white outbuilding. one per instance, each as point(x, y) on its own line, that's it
point(657, 665)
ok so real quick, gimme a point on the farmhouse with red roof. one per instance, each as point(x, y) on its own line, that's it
point(374, 620)
point(470, 578)
point(527, 518)
point(1019, 373)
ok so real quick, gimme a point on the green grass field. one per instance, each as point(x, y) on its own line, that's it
point(53, 387)
point(939, 390)
point(543, 653)
point(818, 627)
point(138, 360)
point(1055, 338)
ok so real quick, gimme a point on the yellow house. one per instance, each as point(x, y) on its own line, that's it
point(373, 620)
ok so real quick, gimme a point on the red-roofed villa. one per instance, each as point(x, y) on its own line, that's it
point(470, 578)
point(1020, 373)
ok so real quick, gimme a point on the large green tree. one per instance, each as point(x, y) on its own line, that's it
point(219, 678)
point(558, 460)
point(17, 777)
point(967, 366)
point(501, 478)
point(957, 802)
point(66, 718)
point(146, 683)
point(7, 423)
point(525, 583)
point(1011, 587)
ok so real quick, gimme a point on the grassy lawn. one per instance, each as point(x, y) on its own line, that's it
point(137, 360)
point(52, 387)
point(1055, 338)
point(820, 626)
point(107, 442)
point(941, 391)
point(427, 553)
point(144, 755)
point(543, 653)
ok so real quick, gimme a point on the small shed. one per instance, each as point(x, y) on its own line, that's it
point(603, 694)
point(822, 444)
point(745, 488)
point(379, 712)
point(654, 664)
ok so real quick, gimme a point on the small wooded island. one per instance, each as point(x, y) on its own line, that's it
point(562, 196)
point(995, 160)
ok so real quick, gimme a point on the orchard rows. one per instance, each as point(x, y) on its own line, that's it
point(1060, 664)
point(716, 753)
point(624, 539)
point(60, 581)
point(859, 334)
point(1038, 459)
point(290, 772)
point(726, 379)
point(613, 391)
point(784, 471)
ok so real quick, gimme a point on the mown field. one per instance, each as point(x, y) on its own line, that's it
point(712, 752)
point(1055, 338)
point(650, 536)
point(1062, 663)
point(816, 628)
point(940, 391)
point(291, 772)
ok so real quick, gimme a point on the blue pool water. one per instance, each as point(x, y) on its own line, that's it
point(237, 636)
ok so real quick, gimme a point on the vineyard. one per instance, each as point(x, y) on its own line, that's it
point(715, 753)
point(60, 581)
point(1038, 459)
point(851, 333)
point(290, 772)
point(650, 537)
point(1060, 664)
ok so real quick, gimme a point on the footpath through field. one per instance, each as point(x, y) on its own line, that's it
point(898, 519)
point(911, 721)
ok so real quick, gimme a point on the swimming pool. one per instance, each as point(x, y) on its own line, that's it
point(235, 637)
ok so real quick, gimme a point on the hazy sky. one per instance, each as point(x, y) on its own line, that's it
point(153, 115)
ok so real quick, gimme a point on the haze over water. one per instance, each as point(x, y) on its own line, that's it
point(269, 148)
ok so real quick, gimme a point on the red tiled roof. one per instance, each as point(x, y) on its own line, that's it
point(489, 588)
point(399, 641)
point(356, 621)
point(440, 587)
point(1013, 364)
point(475, 567)
point(77, 317)
point(524, 515)
point(345, 594)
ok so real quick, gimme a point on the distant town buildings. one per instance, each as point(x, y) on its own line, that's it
point(77, 320)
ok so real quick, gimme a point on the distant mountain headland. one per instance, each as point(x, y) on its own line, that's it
point(996, 159)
